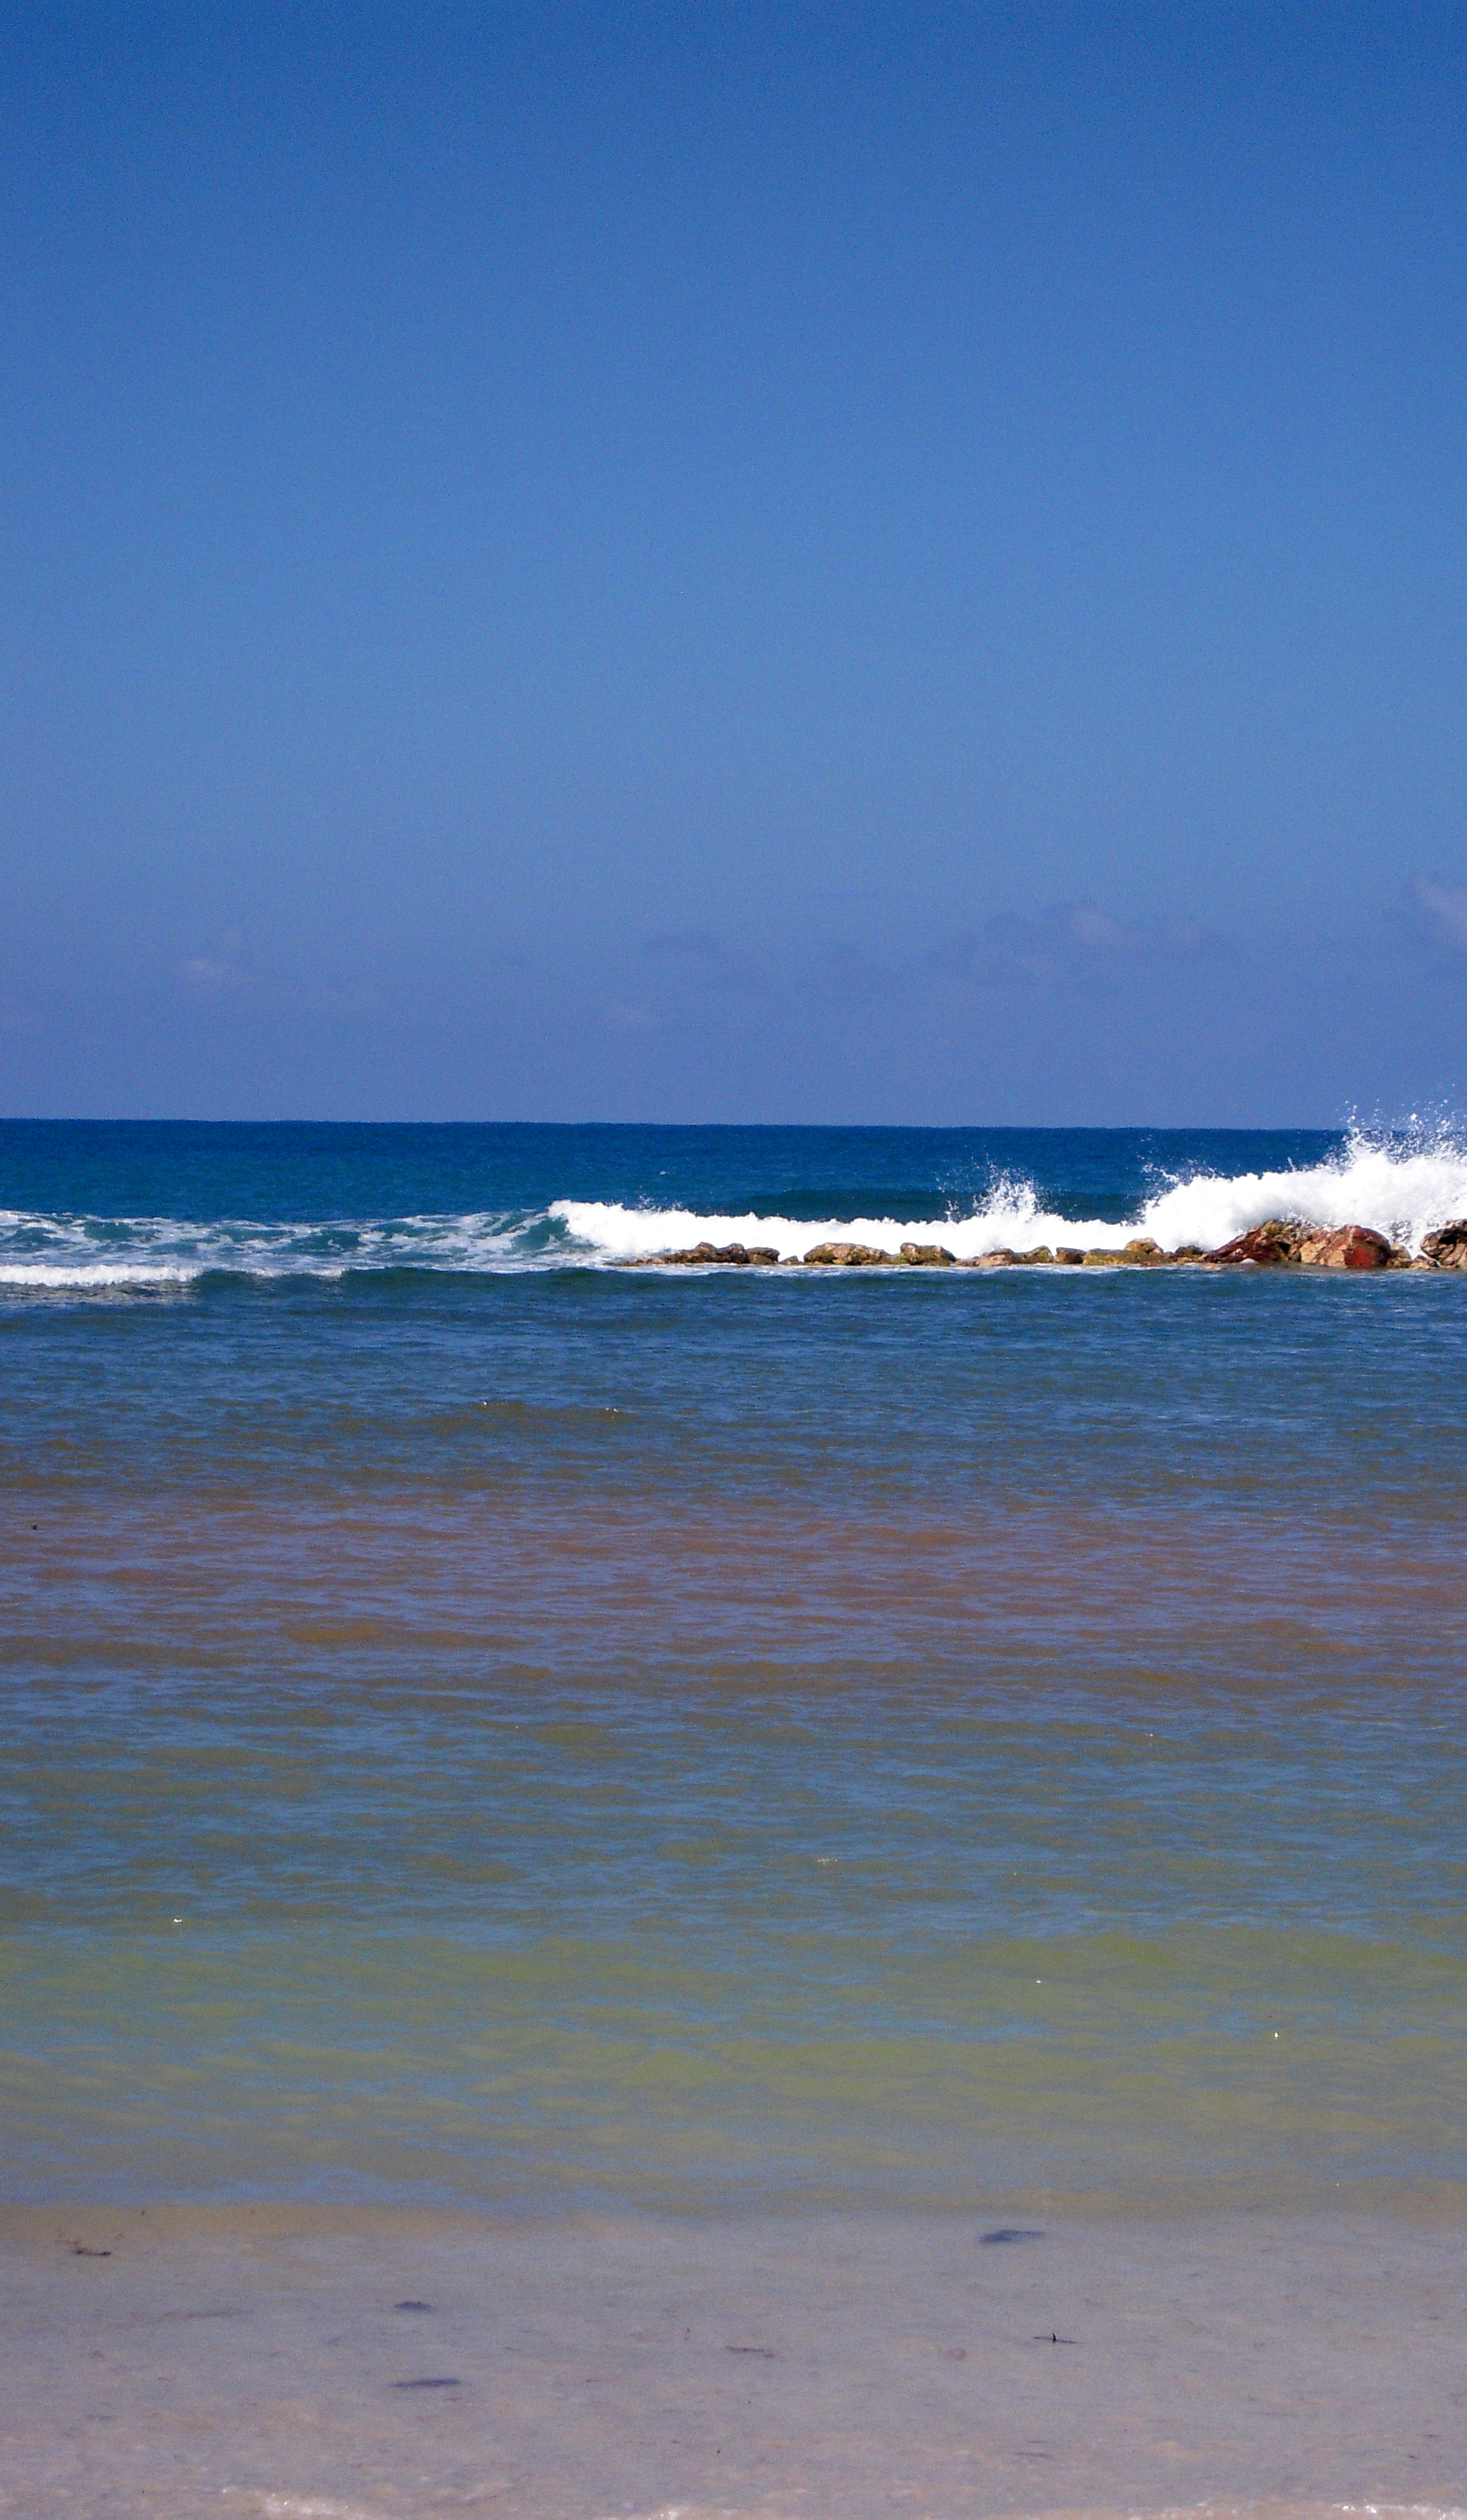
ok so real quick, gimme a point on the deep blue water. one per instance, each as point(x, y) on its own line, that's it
point(299, 1173)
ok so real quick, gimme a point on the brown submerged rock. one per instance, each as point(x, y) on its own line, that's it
point(1140, 1253)
point(1447, 1248)
point(1040, 1257)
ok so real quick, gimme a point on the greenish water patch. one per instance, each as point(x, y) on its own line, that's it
point(195, 2061)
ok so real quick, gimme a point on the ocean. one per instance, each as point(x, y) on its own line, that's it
point(490, 1733)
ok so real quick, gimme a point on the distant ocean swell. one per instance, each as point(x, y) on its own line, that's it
point(1403, 1190)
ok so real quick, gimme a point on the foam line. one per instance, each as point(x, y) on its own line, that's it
point(1402, 1191)
point(1403, 1186)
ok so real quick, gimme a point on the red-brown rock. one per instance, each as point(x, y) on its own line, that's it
point(1349, 1246)
point(1268, 1246)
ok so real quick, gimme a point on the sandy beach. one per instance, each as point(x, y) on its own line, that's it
point(339, 2365)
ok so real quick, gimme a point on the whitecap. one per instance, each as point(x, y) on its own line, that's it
point(1403, 1186)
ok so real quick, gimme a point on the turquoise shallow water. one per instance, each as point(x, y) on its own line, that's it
point(482, 1726)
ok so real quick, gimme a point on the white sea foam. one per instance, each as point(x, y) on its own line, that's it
point(103, 1274)
point(82, 1254)
point(1402, 1185)
point(1402, 1189)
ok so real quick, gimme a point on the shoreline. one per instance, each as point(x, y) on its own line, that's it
point(268, 2360)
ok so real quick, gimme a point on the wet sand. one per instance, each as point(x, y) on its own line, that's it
point(267, 2362)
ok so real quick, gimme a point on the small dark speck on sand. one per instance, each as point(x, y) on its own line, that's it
point(412, 2304)
point(994, 2239)
point(427, 2384)
point(766, 2353)
point(78, 2251)
point(1052, 2339)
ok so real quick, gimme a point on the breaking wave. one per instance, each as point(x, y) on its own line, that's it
point(1403, 1186)
point(101, 1254)
point(1404, 1191)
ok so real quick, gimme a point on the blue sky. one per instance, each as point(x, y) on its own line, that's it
point(733, 562)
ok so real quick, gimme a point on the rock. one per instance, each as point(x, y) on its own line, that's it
point(1268, 1246)
point(1040, 1257)
point(1447, 1248)
point(1347, 1246)
point(1066, 1256)
point(1281, 1242)
point(1140, 1253)
point(713, 1255)
point(1000, 1259)
point(847, 1255)
point(925, 1255)
point(763, 1255)
point(1189, 1251)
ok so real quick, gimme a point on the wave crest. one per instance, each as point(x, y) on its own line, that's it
point(1404, 1188)
point(1405, 1185)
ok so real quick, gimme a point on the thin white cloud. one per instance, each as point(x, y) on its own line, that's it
point(1068, 940)
point(1442, 909)
point(212, 975)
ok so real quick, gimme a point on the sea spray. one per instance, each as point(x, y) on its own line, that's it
point(1173, 1189)
point(1403, 1190)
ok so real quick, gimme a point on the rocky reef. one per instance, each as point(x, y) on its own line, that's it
point(1281, 1242)
point(704, 1255)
